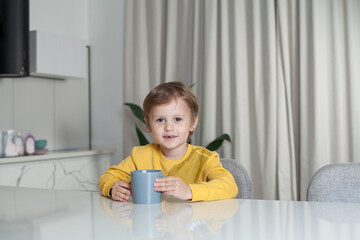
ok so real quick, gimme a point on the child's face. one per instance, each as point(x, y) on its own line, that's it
point(170, 125)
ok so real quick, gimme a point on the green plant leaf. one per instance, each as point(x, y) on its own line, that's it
point(136, 110)
point(192, 85)
point(142, 139)
point(214, 145)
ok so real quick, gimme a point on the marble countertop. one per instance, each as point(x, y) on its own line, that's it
point(27, 213)
point(51, 155)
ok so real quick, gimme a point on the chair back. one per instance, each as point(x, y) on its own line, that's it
point(335, 183)
point(241, 177)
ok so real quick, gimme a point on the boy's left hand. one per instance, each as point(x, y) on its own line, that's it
point(173, 186)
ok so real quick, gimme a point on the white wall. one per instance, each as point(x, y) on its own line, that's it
point(99, 22)
point(63, 17)
point(106, 40)
point(56, 110)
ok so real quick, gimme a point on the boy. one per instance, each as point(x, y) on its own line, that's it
point(193, 173)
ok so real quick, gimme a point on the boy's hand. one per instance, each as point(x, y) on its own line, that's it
point(173, 186)
point(121, 191)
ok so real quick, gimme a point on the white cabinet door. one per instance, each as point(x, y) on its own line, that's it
point(57, 56)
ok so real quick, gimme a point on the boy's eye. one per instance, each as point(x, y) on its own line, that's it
point(178, 119)
point(160, 120)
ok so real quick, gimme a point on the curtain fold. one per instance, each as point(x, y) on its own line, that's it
point(280, 77)
point(287, 99)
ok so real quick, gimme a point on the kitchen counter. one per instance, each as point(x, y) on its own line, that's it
point(73, 170)
point(62, 214)
point(51, 155)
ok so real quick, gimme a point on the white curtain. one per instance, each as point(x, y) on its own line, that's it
point(280, 77)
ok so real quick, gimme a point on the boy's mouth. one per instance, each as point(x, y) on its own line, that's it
point(170, 136)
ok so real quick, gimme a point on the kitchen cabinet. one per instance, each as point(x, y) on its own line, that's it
point(71, 170)
point(56, 56)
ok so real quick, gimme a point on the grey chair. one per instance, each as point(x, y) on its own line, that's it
point(335, 183)
point(241, 177)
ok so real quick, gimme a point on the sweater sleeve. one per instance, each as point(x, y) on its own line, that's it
point(218, 183)
point(120, 172)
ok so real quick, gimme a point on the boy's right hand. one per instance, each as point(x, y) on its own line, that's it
point(121, 191)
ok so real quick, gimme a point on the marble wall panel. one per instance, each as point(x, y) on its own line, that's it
point(80, 173)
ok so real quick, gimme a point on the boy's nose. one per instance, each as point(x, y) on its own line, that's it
point(169, 127)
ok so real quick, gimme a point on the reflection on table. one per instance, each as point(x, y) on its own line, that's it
point(59, 214)
point(172, 218)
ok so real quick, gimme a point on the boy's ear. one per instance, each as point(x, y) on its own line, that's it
point(193, 126)
point(147, 125)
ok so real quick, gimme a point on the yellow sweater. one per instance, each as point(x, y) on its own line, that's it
point(199, 168)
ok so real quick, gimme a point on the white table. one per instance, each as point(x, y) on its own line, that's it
point(27, 213)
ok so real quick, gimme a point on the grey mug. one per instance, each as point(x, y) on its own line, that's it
point(142, 185)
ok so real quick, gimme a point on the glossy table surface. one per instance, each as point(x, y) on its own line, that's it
point(27, 213)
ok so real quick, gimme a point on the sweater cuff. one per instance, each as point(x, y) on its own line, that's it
point(200, 192)
point(106, 191)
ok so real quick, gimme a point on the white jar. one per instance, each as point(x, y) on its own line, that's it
point(29, 145)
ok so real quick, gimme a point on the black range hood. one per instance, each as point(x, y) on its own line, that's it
point(14, 38)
